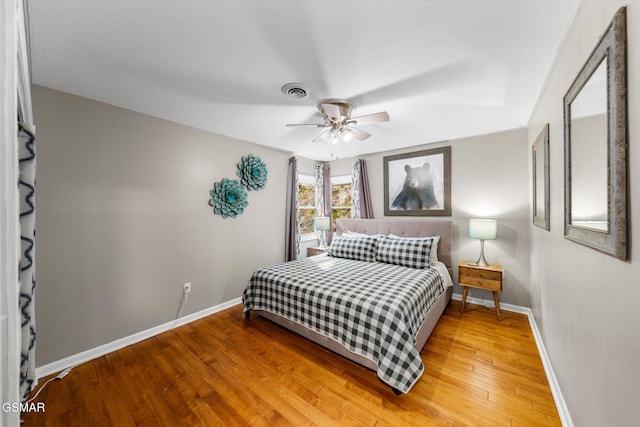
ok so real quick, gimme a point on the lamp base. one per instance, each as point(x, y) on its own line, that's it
point(323, 240)
point(481, 261)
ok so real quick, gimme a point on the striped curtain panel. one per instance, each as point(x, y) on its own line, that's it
point(292, 227)
point(27, 191)
point(323, 196)
point(319, 195)
point(361, 206)
point(328, 200)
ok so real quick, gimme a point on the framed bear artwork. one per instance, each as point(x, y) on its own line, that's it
point(418, 183)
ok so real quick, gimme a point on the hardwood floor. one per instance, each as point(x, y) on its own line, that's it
point(223, 370)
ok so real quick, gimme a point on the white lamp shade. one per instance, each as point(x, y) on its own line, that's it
point(322, 223)
point(483, 229)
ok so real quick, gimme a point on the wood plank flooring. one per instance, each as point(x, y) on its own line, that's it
point(225, 371)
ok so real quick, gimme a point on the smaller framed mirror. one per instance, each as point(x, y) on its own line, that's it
point(595, 146)
point(541, 186)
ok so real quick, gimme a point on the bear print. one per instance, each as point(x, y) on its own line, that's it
point(417, 191)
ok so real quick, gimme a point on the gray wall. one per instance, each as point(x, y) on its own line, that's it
point(585, 302)
point(124, 221)
point(488, 180)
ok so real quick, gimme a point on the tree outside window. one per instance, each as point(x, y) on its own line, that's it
point(306, 203)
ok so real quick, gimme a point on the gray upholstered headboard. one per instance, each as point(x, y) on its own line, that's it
point(405, 227)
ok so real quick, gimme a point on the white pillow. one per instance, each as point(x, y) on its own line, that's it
point(433, 255)
point(356, 234)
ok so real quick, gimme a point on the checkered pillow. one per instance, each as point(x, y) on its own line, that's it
point(361, 248)
point(433, 257)
point(414, 253)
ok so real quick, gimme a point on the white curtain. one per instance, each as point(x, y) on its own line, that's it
point(9, 215)
point(323, 197)
point(361, 206)
point(27, 190)
point(320, 198)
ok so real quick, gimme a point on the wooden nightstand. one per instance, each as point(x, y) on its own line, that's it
point(475, 276)
point(316, 250)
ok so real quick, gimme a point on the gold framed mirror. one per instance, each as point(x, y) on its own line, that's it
point(595, 150)
point(541, 186)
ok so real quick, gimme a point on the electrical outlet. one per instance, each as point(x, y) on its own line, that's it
point(187, 288)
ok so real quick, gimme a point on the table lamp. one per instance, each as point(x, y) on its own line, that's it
point(483, 229)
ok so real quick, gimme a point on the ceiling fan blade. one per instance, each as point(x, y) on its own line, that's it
point(383, 116)
point(321, 136)
point(332, 111)
point(359, 134)
point(319, 125)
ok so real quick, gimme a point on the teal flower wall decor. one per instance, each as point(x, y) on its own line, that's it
point(252, 172)
point(228, 198)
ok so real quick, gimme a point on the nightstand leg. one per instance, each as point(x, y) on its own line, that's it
point(497, 302)
point(464, 298)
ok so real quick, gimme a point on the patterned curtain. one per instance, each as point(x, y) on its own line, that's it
point(323, 196)
point(319, 195)
point(326, 188)
point(292, 229)
point(360, 195)
point(27, 191)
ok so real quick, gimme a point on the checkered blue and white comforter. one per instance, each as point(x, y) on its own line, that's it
point(373, 309)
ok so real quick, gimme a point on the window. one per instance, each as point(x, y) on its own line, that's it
point(340, 197)
point(306, 203)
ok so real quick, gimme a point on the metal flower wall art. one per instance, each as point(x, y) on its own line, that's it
point(228, 198)
point(252, 172)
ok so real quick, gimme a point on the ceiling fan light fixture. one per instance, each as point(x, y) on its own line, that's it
point(341, 126)
point(295, 90)
point(346, 135)
point(334, 136)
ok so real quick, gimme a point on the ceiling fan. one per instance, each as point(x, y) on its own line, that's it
point(340, 124)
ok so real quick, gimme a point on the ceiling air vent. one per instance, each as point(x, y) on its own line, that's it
point(295, 90)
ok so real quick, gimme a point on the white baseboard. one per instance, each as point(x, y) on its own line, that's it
point(85, 356)
point(558, 398)
point(490, 304)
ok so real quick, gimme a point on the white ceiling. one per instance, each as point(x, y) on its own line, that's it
point(442, 69)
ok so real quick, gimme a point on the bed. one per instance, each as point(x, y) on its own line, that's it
point(374, 298)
